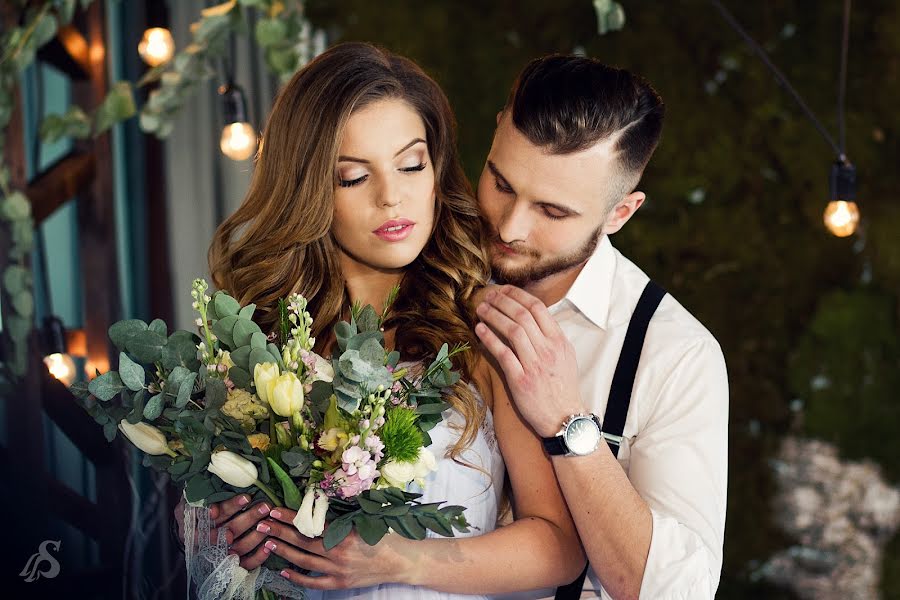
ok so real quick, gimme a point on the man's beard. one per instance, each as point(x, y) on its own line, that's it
point(538, 270)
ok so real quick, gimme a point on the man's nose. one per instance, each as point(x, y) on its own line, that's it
point(515, 223)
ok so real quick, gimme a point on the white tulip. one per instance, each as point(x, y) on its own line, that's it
point(310, 519)
point(233, 469)
point(146, 437)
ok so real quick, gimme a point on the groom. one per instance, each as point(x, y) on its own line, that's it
point(628, 390)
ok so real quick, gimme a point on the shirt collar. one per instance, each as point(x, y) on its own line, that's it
point(592, 290)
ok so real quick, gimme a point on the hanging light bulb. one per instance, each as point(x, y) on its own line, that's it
point(53, 343)
point(238, 140)
point(62, 367)
point(157, 46)
point(842, 214)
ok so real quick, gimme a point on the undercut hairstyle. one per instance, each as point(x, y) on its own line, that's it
point(567, 104)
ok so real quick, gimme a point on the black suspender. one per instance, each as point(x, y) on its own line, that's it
point(620, 393)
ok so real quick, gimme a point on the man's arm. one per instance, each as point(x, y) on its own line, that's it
point(660, 532)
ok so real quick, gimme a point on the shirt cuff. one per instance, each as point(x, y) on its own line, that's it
point(679, 566)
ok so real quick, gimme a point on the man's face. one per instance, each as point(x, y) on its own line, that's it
point(546, 212)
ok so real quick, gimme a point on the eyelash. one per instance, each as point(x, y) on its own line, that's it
point(345, 183)
point(508, 190)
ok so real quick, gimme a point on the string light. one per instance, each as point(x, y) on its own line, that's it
point(238, 141)
point(842, 214)
point(157, 46)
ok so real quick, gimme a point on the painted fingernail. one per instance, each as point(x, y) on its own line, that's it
point(266, 551)
point(243, 500)
point(263, 509)
point(271, 545)
point(284, 573)
point(275, 514)
point(263, 527)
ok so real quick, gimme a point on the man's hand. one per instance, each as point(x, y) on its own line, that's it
point(239, 521)
point(537, 360)
point(350, 564)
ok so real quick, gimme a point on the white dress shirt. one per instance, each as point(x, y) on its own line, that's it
point(675, 446)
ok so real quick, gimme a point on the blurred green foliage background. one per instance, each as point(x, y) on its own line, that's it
point(733, 223)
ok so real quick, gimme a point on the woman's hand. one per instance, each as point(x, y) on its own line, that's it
point(239, 522)
point(350, 564)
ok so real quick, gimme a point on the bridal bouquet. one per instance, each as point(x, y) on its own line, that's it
point(235, 411)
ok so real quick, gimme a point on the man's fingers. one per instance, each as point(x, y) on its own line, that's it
point(516, 334)
point(538, 309)
point(227, 509)
point(505, 357)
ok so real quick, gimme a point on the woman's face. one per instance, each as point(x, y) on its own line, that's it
point(384, 198)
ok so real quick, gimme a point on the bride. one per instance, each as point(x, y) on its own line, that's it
point(358, 188)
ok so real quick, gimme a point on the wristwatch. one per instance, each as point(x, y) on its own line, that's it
point(580, 435)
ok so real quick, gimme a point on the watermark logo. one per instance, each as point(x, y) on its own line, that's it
point(34, 567)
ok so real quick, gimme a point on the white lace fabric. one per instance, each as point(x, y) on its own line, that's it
point(218, 575)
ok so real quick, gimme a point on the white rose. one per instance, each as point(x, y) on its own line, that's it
point(146, 437)
point(233, 469)
point(398, 474)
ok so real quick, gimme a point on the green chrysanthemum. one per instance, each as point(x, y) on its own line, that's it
point(402, 438)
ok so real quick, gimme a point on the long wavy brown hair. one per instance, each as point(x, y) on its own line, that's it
point(279, 240)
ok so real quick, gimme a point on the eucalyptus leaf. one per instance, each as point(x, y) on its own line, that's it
point(159, 326)
point(73, 123)
point(369, 506)
point(176, 376)
point(23, 303)
point(240, 377)
point(122, 331)
point(270, 31)
point(131, 373)
point(106, 386)
point(247, 311)
point(257, 340)
point(109, 430)
point(273, 350)
point(436, 523)
point(154, 407)
point(241, 356)
point(242, 332)
point(184, 390)
point(225, 305)
point(223, 327)
point(137, 412)
point(368, 320)
point(181, 350)
point(198, 488)
point(146, 346)
point(117, 106)
point(216, 394)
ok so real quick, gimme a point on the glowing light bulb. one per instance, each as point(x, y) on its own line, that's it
point(157, 46)
point(238, 141)
point(62, 367)
point(841, 217)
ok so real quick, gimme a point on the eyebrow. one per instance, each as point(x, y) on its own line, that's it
point(415, 141)
point(496, 172)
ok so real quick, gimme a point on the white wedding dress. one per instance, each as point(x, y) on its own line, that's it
point(477, 489)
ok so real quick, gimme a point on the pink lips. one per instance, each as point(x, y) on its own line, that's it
point(395, 230)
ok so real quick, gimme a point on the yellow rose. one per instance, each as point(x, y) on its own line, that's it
point(262, 375)
point(259, 440)
point(285, 394)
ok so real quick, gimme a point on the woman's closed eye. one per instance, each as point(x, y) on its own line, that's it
point(414, 169)
point(502, 186)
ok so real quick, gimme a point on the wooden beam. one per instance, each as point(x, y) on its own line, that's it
point(78, 426)
point(76, 510)
point(59, 183)
point(68, 52)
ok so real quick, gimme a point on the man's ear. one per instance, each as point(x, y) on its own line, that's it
point(623, 211)
point(499, 116)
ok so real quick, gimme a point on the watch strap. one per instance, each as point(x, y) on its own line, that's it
point(555, 445)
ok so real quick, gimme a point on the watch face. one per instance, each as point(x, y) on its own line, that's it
point(582, 436)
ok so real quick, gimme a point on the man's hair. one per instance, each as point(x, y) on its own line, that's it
point(569, 103)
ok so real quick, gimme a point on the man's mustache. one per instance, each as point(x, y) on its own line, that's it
point(518, 247)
